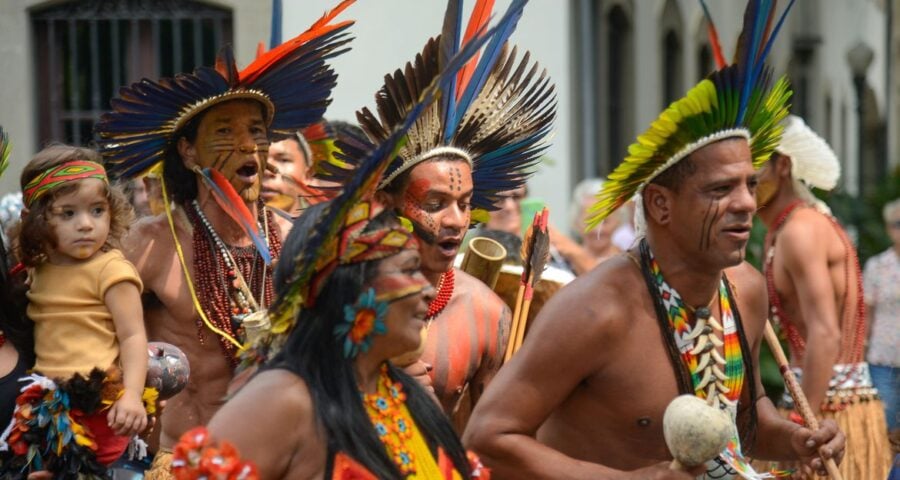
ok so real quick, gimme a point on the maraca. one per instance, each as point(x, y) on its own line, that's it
point(695, 432)
point(168, 369)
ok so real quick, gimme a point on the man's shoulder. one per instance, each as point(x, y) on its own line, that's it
point(747, 282)
point(807, 226)
point(603, 294)
point(473, 289)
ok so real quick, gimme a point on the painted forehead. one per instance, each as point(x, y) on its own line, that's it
point(440, 176)
point(233, 110)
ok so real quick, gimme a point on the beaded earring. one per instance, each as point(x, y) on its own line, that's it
point(362, 320)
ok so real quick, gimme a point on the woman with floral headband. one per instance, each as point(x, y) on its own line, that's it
point(86, 399)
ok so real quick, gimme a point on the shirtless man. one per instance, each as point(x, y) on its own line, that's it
point(203, 272)
point(602, 412)
point(238, 128)
point(815, 293)
point(585, 396)
point(466, 337)
point(450, 169)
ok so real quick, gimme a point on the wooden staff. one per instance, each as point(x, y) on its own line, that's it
point(790, 381)
point(536, 252)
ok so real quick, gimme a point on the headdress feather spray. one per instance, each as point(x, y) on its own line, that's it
point(735, 100)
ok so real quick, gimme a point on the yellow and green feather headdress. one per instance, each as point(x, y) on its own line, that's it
point(737, 100)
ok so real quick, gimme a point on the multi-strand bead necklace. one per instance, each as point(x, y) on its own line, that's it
point(222, 271)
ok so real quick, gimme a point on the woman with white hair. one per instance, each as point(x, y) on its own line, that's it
point(588, 248)
point(881, 286)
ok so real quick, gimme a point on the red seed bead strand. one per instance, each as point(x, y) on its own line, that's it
point(217, 279)
point(445, 291)
point(796, 341)
point(853, 330)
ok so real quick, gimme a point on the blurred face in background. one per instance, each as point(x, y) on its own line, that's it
point(287, 171)
point(599, 239)
point(508, 218)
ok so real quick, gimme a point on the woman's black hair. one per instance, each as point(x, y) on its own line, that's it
point(312, 353)
point(17, 328)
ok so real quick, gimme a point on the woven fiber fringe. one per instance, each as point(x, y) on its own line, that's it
point(868, 453)
point(161, 469)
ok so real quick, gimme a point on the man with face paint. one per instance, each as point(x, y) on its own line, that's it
point(681, 313)
point(207, 263)
point(287, 173)
point(816, 295)
point(462, 153)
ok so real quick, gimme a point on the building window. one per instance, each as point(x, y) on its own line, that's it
point(618, 62)
point(85, 50)
point(671, 48)
point(672, 89)
point(705, 64)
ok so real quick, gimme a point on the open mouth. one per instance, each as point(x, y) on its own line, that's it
point(449, 247)
point(248, 171)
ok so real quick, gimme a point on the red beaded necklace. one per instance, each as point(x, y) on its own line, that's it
point(228, 277)
point(445, 291)
point(853, 330)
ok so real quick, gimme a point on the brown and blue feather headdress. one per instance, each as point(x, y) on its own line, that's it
point(738, 100)
point(293, 82)
point(495, 113)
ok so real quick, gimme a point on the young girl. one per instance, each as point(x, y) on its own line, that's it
point(84, 300)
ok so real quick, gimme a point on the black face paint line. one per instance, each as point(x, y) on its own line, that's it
point(712, 214)
point(423, 232)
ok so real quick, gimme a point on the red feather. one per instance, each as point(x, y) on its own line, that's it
point(321, 27)
point(716, 46)
point(481, 13)
point(232, 204)
point(315, 132)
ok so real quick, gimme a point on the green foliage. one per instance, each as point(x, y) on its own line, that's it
point(862, 217)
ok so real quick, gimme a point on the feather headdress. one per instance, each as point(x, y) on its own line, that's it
point(738, 100)
point(338, 236)
point(812, 160)
point(495, 114)
point(293, 82)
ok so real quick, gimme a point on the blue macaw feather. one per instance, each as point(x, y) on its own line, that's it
point(768, 46)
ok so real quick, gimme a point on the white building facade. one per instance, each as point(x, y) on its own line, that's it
point(615, 63)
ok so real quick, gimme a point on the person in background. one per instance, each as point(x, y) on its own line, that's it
point(816, 296)
point(881, 289)
point(508, 216)
point(587, 248)
point(287, 172)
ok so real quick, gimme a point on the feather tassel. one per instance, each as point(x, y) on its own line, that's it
point(232, 204)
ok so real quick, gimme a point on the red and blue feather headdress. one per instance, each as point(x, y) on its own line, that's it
point(293, 82)
point(495, 113)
